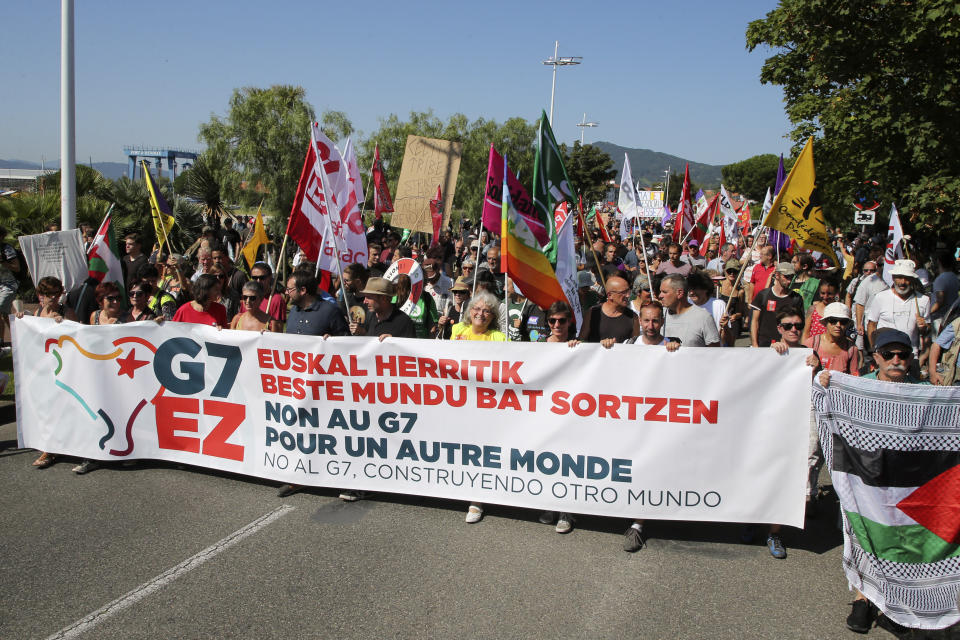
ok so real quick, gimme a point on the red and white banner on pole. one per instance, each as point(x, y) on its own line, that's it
point(327, 196)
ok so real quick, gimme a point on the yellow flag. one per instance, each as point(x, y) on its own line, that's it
point(258, 238)
point(796, 210)
point(160, 210)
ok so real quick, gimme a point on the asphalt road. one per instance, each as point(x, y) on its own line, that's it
point(311, 566)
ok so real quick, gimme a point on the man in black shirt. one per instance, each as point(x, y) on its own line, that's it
point(770, 301)
point(133, 261)
point(611, 321)
point(384, 319)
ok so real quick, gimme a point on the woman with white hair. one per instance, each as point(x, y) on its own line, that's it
point(482, 320)
point(481, 324)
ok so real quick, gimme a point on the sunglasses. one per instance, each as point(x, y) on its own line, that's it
point(732, 272)
point(890, 355)
point(791, 326)
point(259, 278)
point(134, 294)
point(113, 298)
point(557, 320)
point(249, 298)
point(842, 321)
point(869, 270)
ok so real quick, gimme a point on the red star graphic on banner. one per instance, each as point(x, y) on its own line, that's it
point(130, 364)
point(936, 505)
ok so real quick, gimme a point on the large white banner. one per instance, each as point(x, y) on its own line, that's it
point(632, 431)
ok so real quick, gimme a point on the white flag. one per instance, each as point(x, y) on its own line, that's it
point(627, 202)
point(728, 216)
point(353, 169)
point(567, 261)
point(894, 249)
point(341, 211)
point(767, 205)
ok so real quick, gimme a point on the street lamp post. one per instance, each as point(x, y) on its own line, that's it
point(555, 62)
point(583, 124)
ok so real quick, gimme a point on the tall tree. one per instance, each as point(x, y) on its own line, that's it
point(262, 139)
point(878, 83)
point(590, 169)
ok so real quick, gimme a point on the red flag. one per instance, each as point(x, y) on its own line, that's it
point(436, 214)
point(305, 225)
point(699, 230)
point(382, 203)
point(683, 221)
point(603, 227)
point(580, 230)
point(745, 219)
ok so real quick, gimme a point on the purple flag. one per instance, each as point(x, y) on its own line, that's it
point(781, 177)
point(779, 240)
point(667, 214)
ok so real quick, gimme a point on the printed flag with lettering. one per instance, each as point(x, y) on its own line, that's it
point(894, 250)
point(797, 210)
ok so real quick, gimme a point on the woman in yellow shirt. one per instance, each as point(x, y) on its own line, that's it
point(481, 325)
point(481, 320)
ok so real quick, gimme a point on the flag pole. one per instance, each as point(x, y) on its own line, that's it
point(363, 207)
point(592, 250)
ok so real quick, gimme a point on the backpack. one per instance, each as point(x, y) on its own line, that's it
point(949, 359)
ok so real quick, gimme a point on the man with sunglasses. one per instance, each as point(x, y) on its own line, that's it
point(613, 320)
point(901, 307)
point(272, 303)
point(769, 302)
point(893, 354)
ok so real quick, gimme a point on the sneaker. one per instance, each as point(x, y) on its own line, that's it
point(288, 490)
point(748, 534)
point(633, 540)
point(85, 467)
point(565, 523)
point(775, 545)
point(352, 496)
point(547, 517)
point(861, 617)
point(474, 514)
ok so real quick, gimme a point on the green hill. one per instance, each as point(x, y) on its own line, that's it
point(648, 166)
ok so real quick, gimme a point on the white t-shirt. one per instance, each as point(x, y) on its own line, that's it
point(887, 309)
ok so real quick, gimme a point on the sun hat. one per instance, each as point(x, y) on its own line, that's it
point(786, 269)
point(379, 287)
point(585, 279)
point(904, 268)
point(836, 310)
point(460, 285)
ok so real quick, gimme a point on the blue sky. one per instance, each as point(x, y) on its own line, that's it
point(672, 77)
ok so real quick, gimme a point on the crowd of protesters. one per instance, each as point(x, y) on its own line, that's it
point(645, 289)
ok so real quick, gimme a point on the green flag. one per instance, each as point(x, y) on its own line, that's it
point(551, 186)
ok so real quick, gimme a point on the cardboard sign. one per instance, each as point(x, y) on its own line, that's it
point(427, 162)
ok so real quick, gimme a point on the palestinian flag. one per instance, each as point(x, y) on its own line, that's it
point(893, 451)
point(103, 260)
point(903, 506)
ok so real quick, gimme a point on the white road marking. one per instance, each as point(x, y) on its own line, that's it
point(107, 611)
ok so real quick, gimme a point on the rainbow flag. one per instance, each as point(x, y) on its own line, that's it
point(525, 261)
